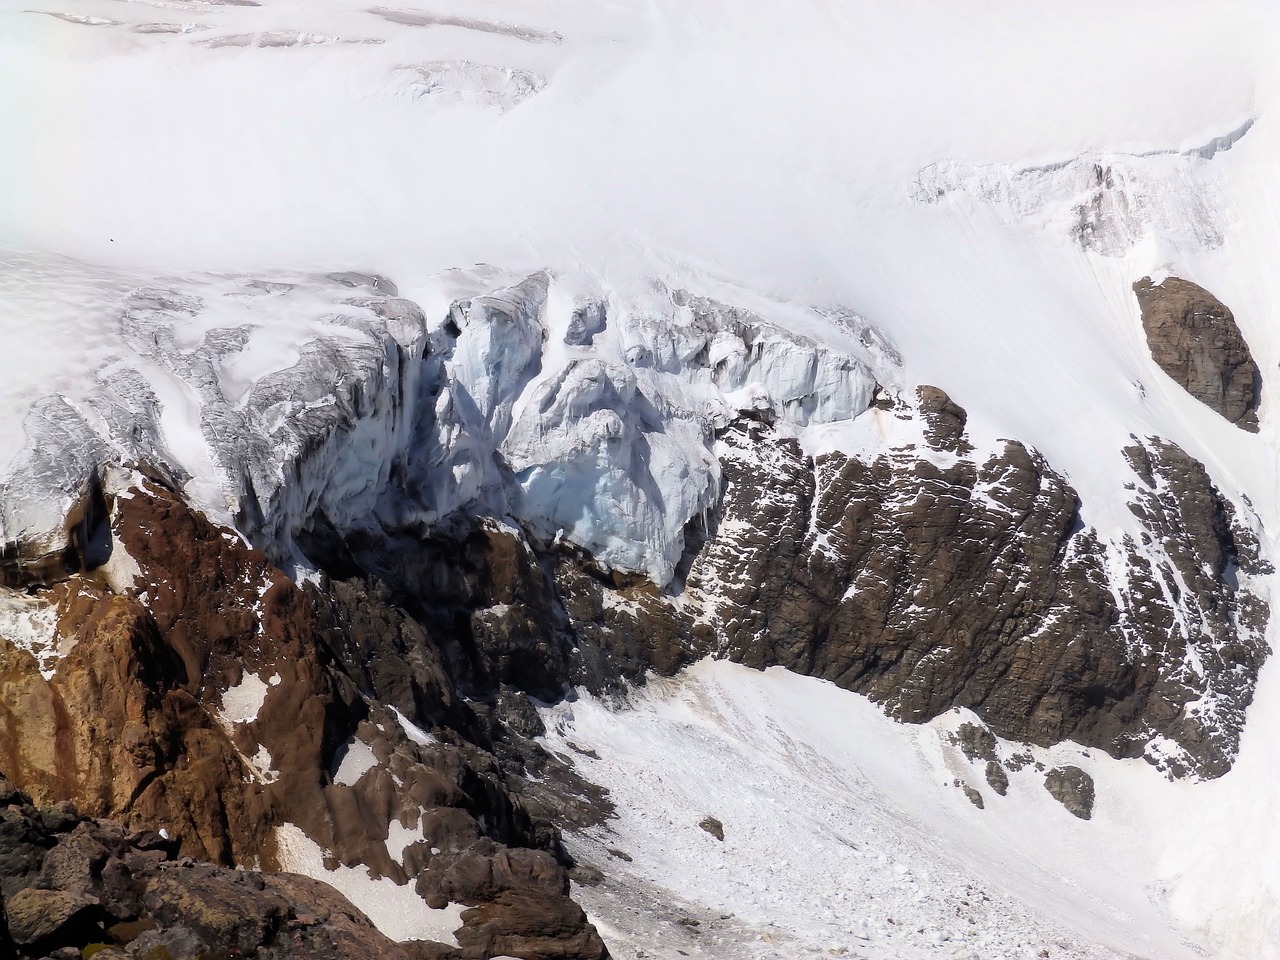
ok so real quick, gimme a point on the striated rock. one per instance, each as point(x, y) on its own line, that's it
point(944, 420)
point(1073, 788)
point(528, 925)
point(1194, 338)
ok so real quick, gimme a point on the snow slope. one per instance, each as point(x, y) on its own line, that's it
point(845, 830)
point(837, 820)
point(922, 164)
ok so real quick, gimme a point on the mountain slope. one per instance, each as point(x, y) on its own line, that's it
point(535, 349)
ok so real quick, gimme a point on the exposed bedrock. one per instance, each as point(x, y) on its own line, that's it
point(216, 698)
point(485, 522)
point(1194, 338)
point(74, 883)
point(927, 576)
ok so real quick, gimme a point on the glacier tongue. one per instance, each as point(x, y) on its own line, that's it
point(275, 401)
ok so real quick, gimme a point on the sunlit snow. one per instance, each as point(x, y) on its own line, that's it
point(921, 164)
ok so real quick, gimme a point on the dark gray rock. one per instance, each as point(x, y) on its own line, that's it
point(997, 779)
point(976, 742)
point(974, 583)
point(1194, 338)
point(1073, 788)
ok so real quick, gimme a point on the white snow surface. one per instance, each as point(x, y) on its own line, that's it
point(846, 830)
point(921, 164)
point(355, 759)
point(397, 911)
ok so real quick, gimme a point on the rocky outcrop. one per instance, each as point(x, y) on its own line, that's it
point(215, 697)
point(1073, 788)
point(70, 882)
point(930, 581)
point(1194, 339)
point(472, 535)
point(926, 576)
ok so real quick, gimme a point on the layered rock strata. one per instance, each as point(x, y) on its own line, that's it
point(1194, 338)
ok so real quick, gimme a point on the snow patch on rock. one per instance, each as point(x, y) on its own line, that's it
point(397, 911)
point(355, 759)
point(241, 703)
point(31, 624)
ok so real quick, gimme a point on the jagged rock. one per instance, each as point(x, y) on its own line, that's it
point(928, 584)
point(925, 582)
point(233, 701)
point(944, 420)
point(974, 796)
point(976, 741)
point(1194, 338)
point(85, 897)
point(1073, 788)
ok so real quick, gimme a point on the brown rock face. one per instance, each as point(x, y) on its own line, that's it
point(217, 698)
point(928, 582)
point(1195, 340)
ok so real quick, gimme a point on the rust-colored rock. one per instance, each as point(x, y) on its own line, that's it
point(214, 698)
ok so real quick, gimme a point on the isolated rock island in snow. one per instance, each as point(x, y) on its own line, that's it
point(1194, 338)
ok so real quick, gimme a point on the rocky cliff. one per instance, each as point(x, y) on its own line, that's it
point(309, 626)
point(212, 697)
